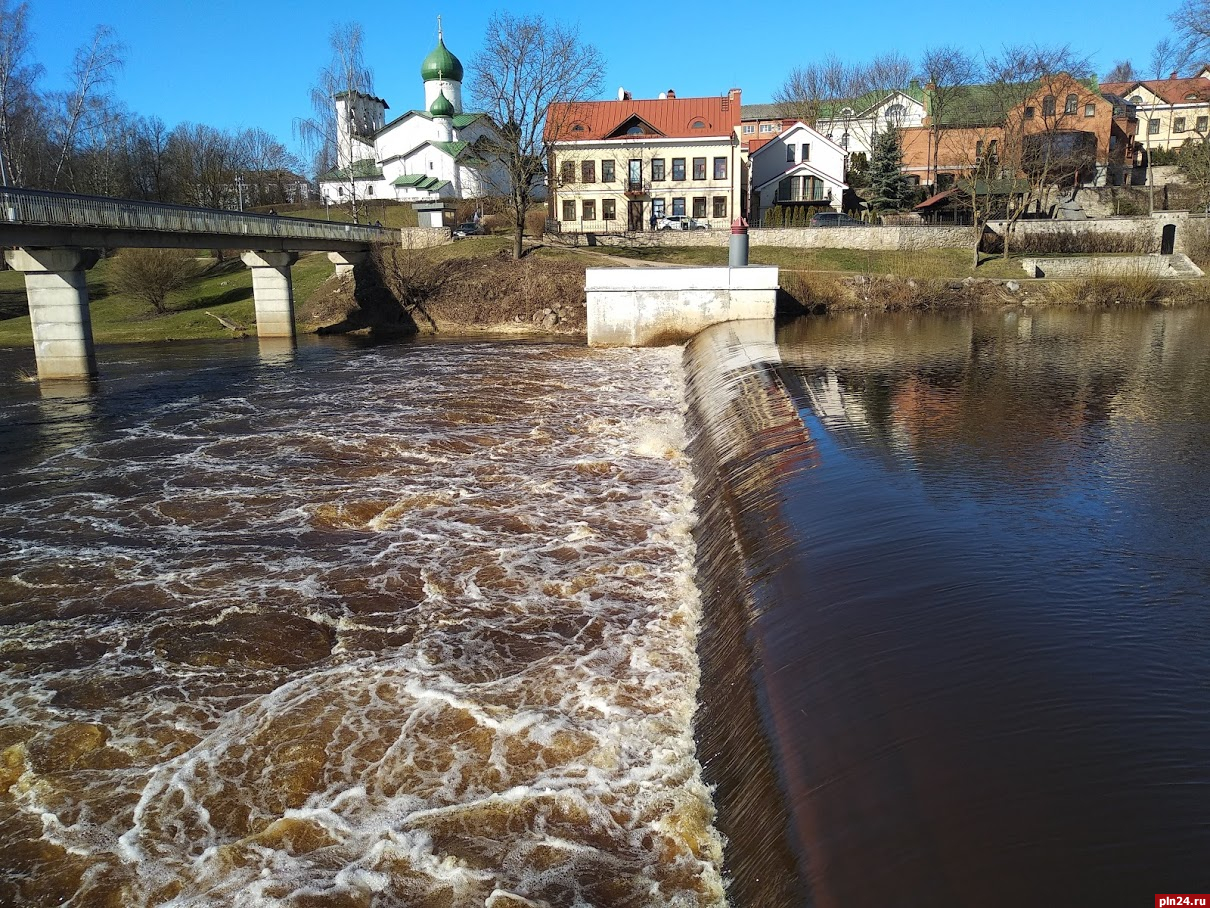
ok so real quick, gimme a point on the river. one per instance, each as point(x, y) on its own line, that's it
point(383, 625)
point(415, 624)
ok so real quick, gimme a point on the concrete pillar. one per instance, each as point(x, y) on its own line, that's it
point(272, 292)
point(344, 261)
point(58, 309)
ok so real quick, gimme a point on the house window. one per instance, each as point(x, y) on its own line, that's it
point(806, 151)
point(894, 116)
point(657, 169)
point(1090, 110)
point(635, 131)
point(789, 154)
point(588, 171)
point(567, 173)
point(720, 206)
point(749, 128)
point(370, 189)
point(635, 177)
point(607, 172)
point(608, 210)
point(1069, 106)
point(720, 168)
point(767, 127)
point(590, 209)
point(1048, 106)
point(1029, 113)
point(1153, 127)
point(678, 208)
point(699, 207)
point(1202, 123)
point(1178, 125)
point(657, 208)
point(978, 149)
point(699, 168)
point(678, 170)
point(569, 210)
point(1136, 99)
point(698, 124)
point(992, 151)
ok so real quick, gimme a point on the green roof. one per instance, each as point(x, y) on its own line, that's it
point(442, 106)
point(420, 181)
point(364, 169)
point(441, 64)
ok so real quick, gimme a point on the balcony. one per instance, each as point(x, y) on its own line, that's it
point(637, 187)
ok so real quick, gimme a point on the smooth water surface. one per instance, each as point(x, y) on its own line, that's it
point(974, 605)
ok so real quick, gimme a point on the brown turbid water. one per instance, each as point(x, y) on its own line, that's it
point(391, 626)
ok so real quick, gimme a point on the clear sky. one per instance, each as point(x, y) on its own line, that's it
point(237, 64)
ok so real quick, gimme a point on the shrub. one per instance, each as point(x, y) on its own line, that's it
point(151, 274)
point(1068, 240)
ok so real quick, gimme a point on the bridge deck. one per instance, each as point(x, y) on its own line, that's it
point(32, 217)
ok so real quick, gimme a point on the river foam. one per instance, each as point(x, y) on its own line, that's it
point(405, 626)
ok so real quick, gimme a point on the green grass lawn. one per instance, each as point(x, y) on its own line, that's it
point(224, 288)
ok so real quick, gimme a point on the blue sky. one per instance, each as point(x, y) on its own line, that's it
point(241, 64)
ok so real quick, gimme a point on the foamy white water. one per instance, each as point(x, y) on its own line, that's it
point(411, 626)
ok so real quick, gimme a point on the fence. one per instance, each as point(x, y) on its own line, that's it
point(60, 209)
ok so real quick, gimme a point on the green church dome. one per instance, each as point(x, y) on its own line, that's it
point(442, 106)
point(441, 64)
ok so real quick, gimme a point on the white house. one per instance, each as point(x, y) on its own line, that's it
point(798, 168)
point(854, 125)
point(440, 151)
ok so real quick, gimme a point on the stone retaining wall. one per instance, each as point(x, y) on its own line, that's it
point(424, 237)
point(920, 237)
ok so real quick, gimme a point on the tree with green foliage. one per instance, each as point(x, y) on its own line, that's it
point(1194, 165)
point(889, 188)
point(151, 274)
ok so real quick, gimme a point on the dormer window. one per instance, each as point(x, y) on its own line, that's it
point(1136, 99)
point(698, 124)
point(635, 130)
point(1192, 96)
point(577, 127)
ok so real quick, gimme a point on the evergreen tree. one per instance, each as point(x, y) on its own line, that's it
point(889, 187)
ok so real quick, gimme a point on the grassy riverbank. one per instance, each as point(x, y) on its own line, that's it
point(474, 284)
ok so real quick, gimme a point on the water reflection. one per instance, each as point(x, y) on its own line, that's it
point(977, 629)
point(276, 351)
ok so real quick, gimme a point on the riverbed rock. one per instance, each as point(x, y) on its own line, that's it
point(1012, 286)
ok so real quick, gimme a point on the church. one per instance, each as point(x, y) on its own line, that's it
point(438, 152)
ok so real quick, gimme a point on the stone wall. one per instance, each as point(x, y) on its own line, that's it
point(1164, 266)
point(1148, 229)
point(424, 237)
point(908, 237)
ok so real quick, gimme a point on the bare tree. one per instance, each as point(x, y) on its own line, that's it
point(1192, 21)
point(529, 77)
point(332, 132)
point(151, 274)
point(817, 90)
point(949, 72)
point(1167, 57)
point(19, 100)
point(94, 68)
point(1122, 71)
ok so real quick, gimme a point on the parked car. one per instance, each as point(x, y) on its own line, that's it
point(834, 219)
point(470, 228)
point(680, 222)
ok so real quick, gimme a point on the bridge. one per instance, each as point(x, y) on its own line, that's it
point(53, 238)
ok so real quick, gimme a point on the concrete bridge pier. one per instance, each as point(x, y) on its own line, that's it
point(272, 292)
point(344, 261)
point(58, 308)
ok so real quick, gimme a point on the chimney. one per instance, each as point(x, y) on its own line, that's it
point(1172, 75)
point(733, 96)
point(671, 93)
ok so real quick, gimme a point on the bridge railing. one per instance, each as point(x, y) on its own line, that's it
point(61, 209)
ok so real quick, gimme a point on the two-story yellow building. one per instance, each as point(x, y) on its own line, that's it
point(630, 165)
point(1171, 111)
